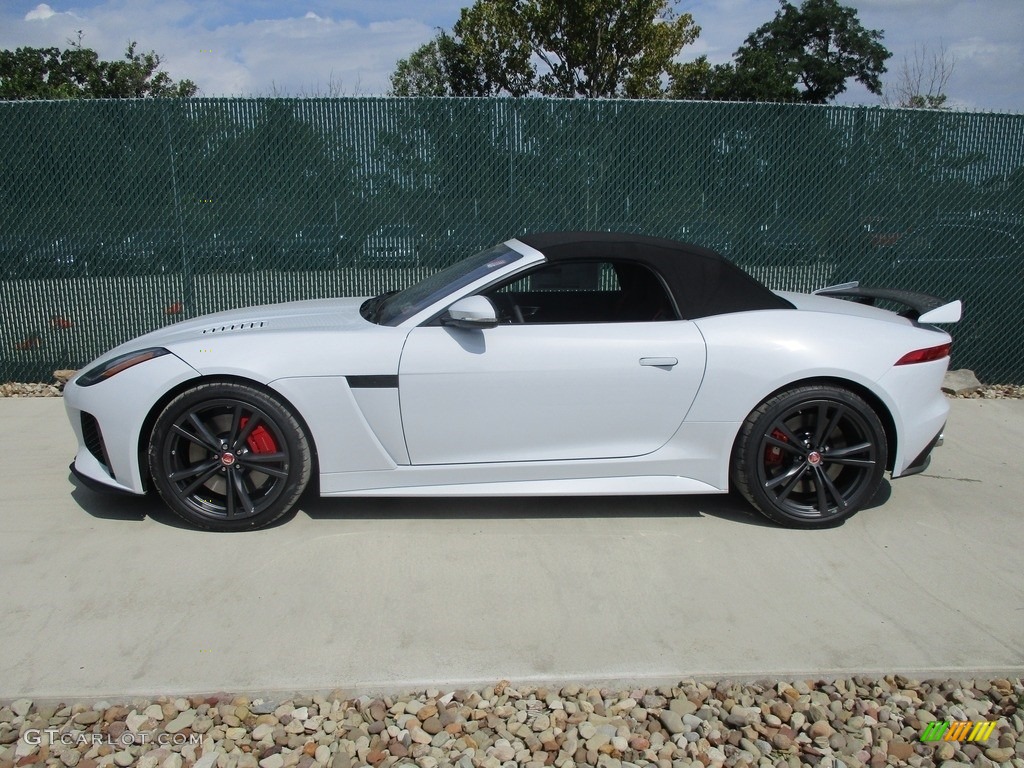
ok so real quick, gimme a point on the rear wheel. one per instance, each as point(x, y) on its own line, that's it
point(811, 456)
point(229, 457)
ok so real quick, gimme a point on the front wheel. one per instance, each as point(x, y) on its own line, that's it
point(810, 457)
point(229, 457)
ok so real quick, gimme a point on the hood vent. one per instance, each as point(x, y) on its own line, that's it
point(236, 327)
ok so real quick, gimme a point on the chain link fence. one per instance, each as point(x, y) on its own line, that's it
point(117, 217)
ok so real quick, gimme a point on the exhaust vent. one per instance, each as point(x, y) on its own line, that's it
point(236, 327)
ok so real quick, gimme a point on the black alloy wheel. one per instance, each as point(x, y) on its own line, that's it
point(229, 457)
point(810, 457)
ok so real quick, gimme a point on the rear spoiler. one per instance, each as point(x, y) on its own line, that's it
point(923, 307)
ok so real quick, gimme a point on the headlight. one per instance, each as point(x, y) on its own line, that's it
point(120, 363)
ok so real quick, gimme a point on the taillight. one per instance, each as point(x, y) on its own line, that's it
point(926, 355)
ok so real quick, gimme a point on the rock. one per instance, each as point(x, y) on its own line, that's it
point(124, 758)
point(817, 712)
point(137, 722)
point(960, 382)
point(503, 752)
point(207, 760)
point(273, 761)
point(782, 710)
point(672, 721)
point(89, 717)
point(184, 719)
point(682, 706)
point(21, 707)
point(322, 754)
point(901, 750)
point(740, 717)
point(820, 729)
point(598, 740)
point(782, 742)
point(999, 754)
point(945, 751)
point(341, 760)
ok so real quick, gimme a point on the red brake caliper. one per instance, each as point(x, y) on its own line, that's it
point(773, 454)
point(259, 440)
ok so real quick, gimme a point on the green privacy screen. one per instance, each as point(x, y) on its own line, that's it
point(117, 217)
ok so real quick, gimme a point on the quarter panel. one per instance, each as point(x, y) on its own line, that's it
point(752, 354)
point(343, 438)
point(921, 407)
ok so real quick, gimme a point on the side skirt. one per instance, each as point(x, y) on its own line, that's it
point(594, 486)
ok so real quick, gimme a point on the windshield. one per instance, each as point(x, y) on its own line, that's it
point(397, 307)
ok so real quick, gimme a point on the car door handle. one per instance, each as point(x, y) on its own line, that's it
point(659, 362)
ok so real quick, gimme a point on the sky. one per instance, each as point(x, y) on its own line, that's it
point(349, 47)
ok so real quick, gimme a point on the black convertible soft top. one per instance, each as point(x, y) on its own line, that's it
point(702, 282)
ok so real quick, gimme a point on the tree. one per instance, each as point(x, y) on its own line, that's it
point(79, 73)
point(424, 73)
point(592, 48)
point(805, 53)
point(758, 78)
point(921, 80)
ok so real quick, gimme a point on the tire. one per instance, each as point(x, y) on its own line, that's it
point(229, 457)
point(810, 457)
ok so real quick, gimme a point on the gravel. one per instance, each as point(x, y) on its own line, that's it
point(847, 722)
point(30, 389)
point(844, 723)
point(995, 392)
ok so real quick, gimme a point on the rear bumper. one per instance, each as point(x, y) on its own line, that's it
point(920, 464)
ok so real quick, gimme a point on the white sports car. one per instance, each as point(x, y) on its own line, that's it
point(564, 363)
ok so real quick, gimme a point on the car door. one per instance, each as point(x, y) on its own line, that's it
point(572, 375)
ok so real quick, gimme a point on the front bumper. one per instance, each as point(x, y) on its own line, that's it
point(95, 485)
point(108, 417)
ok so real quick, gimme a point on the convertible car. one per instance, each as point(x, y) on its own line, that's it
point(559, 363)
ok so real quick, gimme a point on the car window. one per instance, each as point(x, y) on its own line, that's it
point(398, 307)
point(598, 291)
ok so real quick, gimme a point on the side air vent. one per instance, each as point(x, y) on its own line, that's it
point(94, 440)
point(236, 327)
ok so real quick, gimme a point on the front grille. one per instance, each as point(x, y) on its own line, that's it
point(94, 440)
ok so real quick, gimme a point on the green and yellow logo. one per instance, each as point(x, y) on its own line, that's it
point(943, 730)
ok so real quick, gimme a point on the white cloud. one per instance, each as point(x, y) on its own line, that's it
point(40, 12)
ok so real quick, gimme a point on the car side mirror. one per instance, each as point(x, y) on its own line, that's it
point(471, 312)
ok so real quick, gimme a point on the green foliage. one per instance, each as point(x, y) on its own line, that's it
point(79, 73)
point(927, 101)
point(590, 48)
point(757, 78)
point(422, 74)
point(808, 53)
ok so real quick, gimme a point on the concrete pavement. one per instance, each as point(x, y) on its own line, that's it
point(108, 596)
